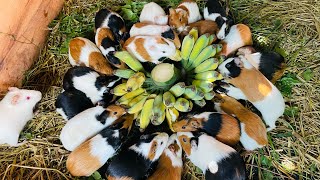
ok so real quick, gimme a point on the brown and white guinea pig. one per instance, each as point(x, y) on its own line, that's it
point(152, 13)
point(72, 102)
point(187, 12)
point(87, 124)
point(170, 162)
point(223, 127)
point(151, 48)
point(165, 31)
point(239, 36)
point(107, 44)
point(16, 109)
point(215, 12)
point(216, 160)
point(250, 84)
point(89, 82)
point(270, 64)
point(83, 52)
point(203, 27)
point(95, 152)
point(134, 163)
point(106, 18)
point(253, 130)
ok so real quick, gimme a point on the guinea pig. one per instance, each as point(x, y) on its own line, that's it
point(152, 13)
point(253, 130)
point(72, 102)
point(95, 152)
point(107, 44)
point(216, 160)
point(223, 127)
point(203, 27)
point(87, 124)
point(187, 12)
point(215, 12)
point(165, 31)
point(250, 84)
point(83, 52)
point(170, 162)
point(89, 82)
point(239, 36)
point(151, 48)
point(134, 163)
point(16, 109)
point(106, 18)
point(270, 64)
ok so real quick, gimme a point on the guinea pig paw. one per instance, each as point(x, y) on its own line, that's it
point(213, 167)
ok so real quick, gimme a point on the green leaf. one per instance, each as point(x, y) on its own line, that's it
point(291, 111)
point(267, 175)
point(286, 84)
point(308, 74)
point(265, 161)
point(96, 175)
point(128, 14)
point(28, 136)
point(282, 135)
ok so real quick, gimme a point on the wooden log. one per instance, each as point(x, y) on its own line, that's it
point(23, 32)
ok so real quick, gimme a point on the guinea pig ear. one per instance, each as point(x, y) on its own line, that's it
point(13, 89)
point(15, 99)
point(238, 62)
point(183, 13)
point(171, 11)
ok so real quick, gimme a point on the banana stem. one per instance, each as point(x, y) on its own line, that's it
point(165, 74)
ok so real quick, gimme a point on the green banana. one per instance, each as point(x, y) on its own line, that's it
point(178, 89)
point(219, 48)
point(158, 110)
point(123, 73)
point(212, 38)
point(221, 59)
point(209, 95)
point(200, 103)
point(194, 33)
point(146, 113)
point(157, 120)
point(125, 99)
point(207, 65)
point(205, 86)
point(136, 99)
point(190, 92)
point(133, 63)
point(199, 95)
point(200, 44)
point(168, 99)
point(119, 90)
point(138, 106)
point(172, 115)
point(190, 106)
point(206, 53)
point(187, 45)
point(135, 81)
point(182, 105)
point(209, 76)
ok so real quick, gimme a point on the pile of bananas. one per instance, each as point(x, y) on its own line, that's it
point(194, 85)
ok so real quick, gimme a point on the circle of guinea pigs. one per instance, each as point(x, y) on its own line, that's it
point(118, 128)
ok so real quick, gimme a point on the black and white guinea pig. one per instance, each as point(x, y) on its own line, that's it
point(216, 160)
point(135, 162)
point(270, 64)
point(215, 12)
point(89, 82)
point(106, 18)
point(72, 102)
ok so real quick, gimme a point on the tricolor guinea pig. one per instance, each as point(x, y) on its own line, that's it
point(107, 44)
point(253, 130)
point(106, 18)
point(170, 162)
point(270, 64)
point(223, 127)
point(155, 30)
point(95, 152)
point(89, 82)
point(203, 27)
point(135, 162)
point(72, 102)
point(187, 12)
point(216, 160)
point(83, 52)
point(87, 124)
point(152, 13)
point(16, 109)
point(215, 12)
point(239, 36)
point(250, 84)
point(152, 48)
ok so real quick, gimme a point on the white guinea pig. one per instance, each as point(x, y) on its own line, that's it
point(152, 13)
point(16, 109)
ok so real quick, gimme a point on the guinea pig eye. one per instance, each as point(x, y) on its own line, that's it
point(228, 65)
point(115, 113)
point(183, 127)
point(28, 97)
point(163, 52)
point(184, 139)
point(155, 145)
point(161, 142)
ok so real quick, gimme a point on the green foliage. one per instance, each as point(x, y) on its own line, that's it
point(131, 10)
point(291, 111)
point(286, 83)
point(267, 175)
point(96, 176)
point(308, 74)
point(265, 161)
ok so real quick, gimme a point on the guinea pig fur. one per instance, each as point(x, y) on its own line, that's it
point(95, 152)
point(253, 130)
point(72, 102)
point(107, 44)
point(87, 124)
point(155, 30)
point(83, 52)
point(152, 13)
point(134, 163)
point(151, 48)
point(203, 27)
point(187, 12)
point(223, 127)
point(106, 18)
point(215, 12)
point(270, 64)
point(216, 160)
point(89, 82)
point(16, 109)
point(250, 84)
point(170, 162)
point(239, 36)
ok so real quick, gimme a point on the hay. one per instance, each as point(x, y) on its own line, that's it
point(290, 26)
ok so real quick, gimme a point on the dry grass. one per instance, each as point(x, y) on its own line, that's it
point(293, 26)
